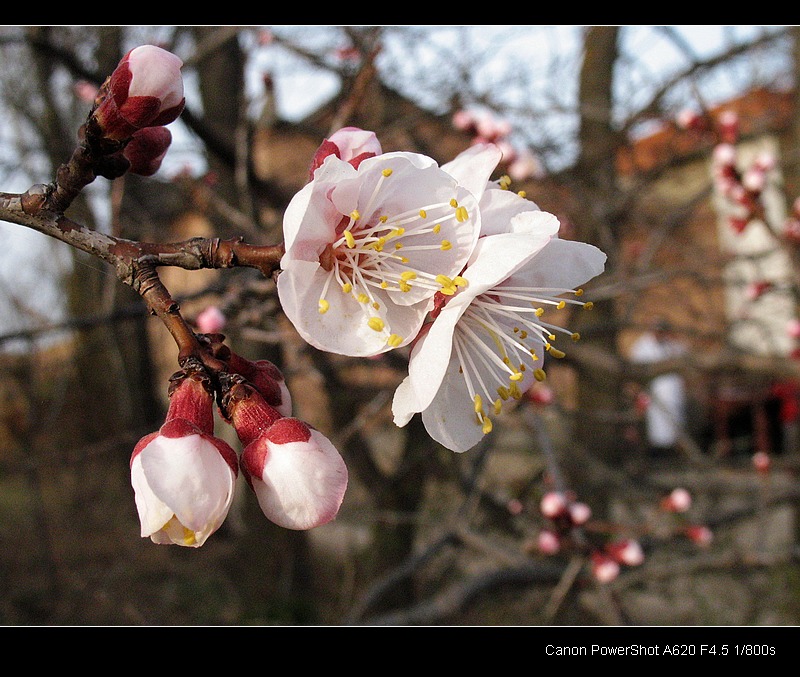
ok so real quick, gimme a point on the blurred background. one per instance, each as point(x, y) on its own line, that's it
point(670, 427)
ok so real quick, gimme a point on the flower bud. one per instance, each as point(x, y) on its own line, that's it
point(553, 504)
point(350, 144)
point(679, 500)
point(267, 379)
point(626, 551)
point(604, 568)
point(146, 150)
point(145, 90)
point(183, 477)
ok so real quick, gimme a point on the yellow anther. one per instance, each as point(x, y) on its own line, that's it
point(454, 203)
point(505, 181)
point(516, 393)
point(384, 284)
point(378, 244)
point(552, 337)
point(579, 292)
point(423, 214)
point(444, 280)
point(403, 259)
point(398, 245)
point(503, 392)
point(408, 275)
point(387, 172)
point(446, 245)
point(534, 356)
point(516, 376)
point(355, 215)
point(189, 537)
point(539, 375)
point(349, 239)
point(498, 406)
point(363, 298)
point(404, 286)
point(588, 305)
point(478, 404)
point(561, 305)
point(376, 324)
point(462, 214)
point(538, 312)
point(394, 340)
point(323, 306)
point(383, 219)
point(524, 334)
point(437, 228)
point(576, 336)
point(522, 193)
point(459, 281)
point(487, 426)
point(347, 287)
point(396, 232)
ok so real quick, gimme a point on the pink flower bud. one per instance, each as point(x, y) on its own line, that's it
point(211, 320)
point(762, 461)
point(679, 500)
point(699, 534)
point(146, 150)
point(464, 120)
point(553, 504)
point(579, 513)
point(267, 380)
point(757, 289)
point(145, 90)
point(350, 144)
point(626, 551)
point(183, 477)
point(724, 155)
point(793, 328)
point(298, 476)
point(604, 569)
point(548, 542)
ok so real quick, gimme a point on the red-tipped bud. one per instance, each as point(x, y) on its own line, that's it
point(145, 90)
point(298, 476)
point(626, 551)
point(350, 144)
point(679, 500)
point(146, 150)
point(553, 504)
point(604, 568)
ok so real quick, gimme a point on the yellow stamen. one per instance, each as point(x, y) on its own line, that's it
point(454, 203)
point(462, 214)
point(487, 425)
point(437, 228)
point(446, 245)
point(376, 324)
point(355, 215)
point(539, 375)
point(347, 287)
point(423, 214)
point(349, 239)
point(394, 340)
point(387, 172)
point(588, 305)
point(363, 298)
point(323, 306)
point(408, 275)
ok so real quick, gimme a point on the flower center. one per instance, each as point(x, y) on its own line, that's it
point(500, 337)
point(377, 255)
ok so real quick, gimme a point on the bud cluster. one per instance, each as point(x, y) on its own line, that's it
point(184, 476)
point(127, 125)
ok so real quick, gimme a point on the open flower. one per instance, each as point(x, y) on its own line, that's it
point(145, 90)
point(367, 248)
point(183, 477)
point(297, 474)
point(487, 343)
